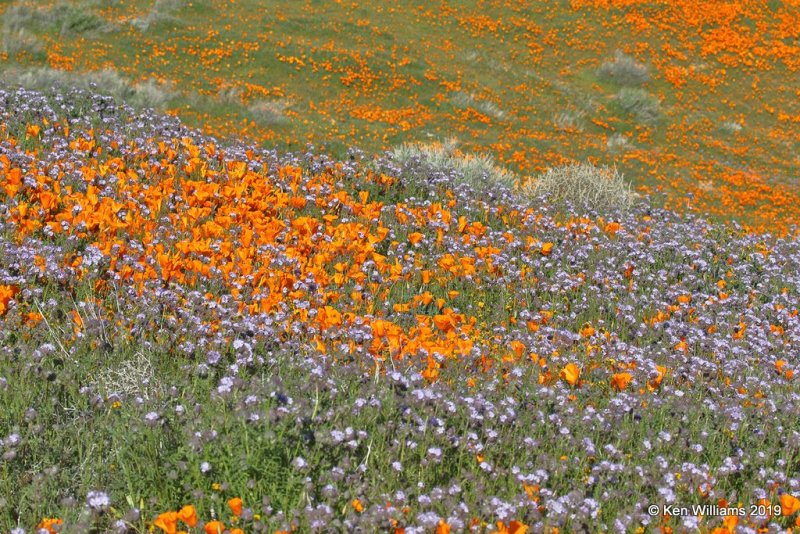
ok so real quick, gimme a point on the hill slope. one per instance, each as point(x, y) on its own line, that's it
point(354, 344)
point(710, 116)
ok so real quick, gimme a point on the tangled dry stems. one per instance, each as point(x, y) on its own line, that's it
point(584, 183)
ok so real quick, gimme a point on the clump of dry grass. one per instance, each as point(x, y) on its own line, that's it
point(730, 127)
point(584, 183)
point(23, 20)
point(134, 377)
point(13, 42)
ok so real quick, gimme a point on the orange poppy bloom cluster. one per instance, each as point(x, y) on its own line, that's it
point(168, 522)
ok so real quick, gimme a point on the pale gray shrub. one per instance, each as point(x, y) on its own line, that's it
point(102, 3)
point(618, 143)
point(476, 169)
point(638, 102)
point(107, 81)
point(166, 6)
point(16, 29)
point(569, 120)
point(35, 78)
point(147, 94)
point(75, 20)
point(162, 11)
point(19, 40)
point(21, 21)
point(584, 183)
point(464, 100)
point(24, 16)
point(624, 70)
point(270, 111)
point(230, 95)
point(730, 127)
point(152, 94)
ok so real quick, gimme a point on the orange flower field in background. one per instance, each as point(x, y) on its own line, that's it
point(497, 75)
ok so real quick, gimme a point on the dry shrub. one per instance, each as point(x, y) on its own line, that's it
point(624, 70)
point(639, 103)
point(586, 184)
point(270, 111)
point(618, 143)
point(465, 100)
point(475, 169)
point(146, 94)
point(134, 377)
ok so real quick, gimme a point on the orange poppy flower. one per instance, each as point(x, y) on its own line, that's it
point(188, 515)
point(214, 527)
point(168, 522)
point(235, 505)
point(518, 347)
point(6, 294)
point(513, 527)
point(789, 504)
point(571, 373)
point(48, 524)
point(444, 323)
point(655, 382)
point(357, 506)
point(546, 248)
point(730, 523)
point(415, 237)
point(620, 381)
point(612, 228)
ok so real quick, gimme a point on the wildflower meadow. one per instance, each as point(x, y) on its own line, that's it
point(495, 267)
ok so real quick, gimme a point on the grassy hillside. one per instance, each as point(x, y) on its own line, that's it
point(209, 335)
point(536, 273)
point(711, 116)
